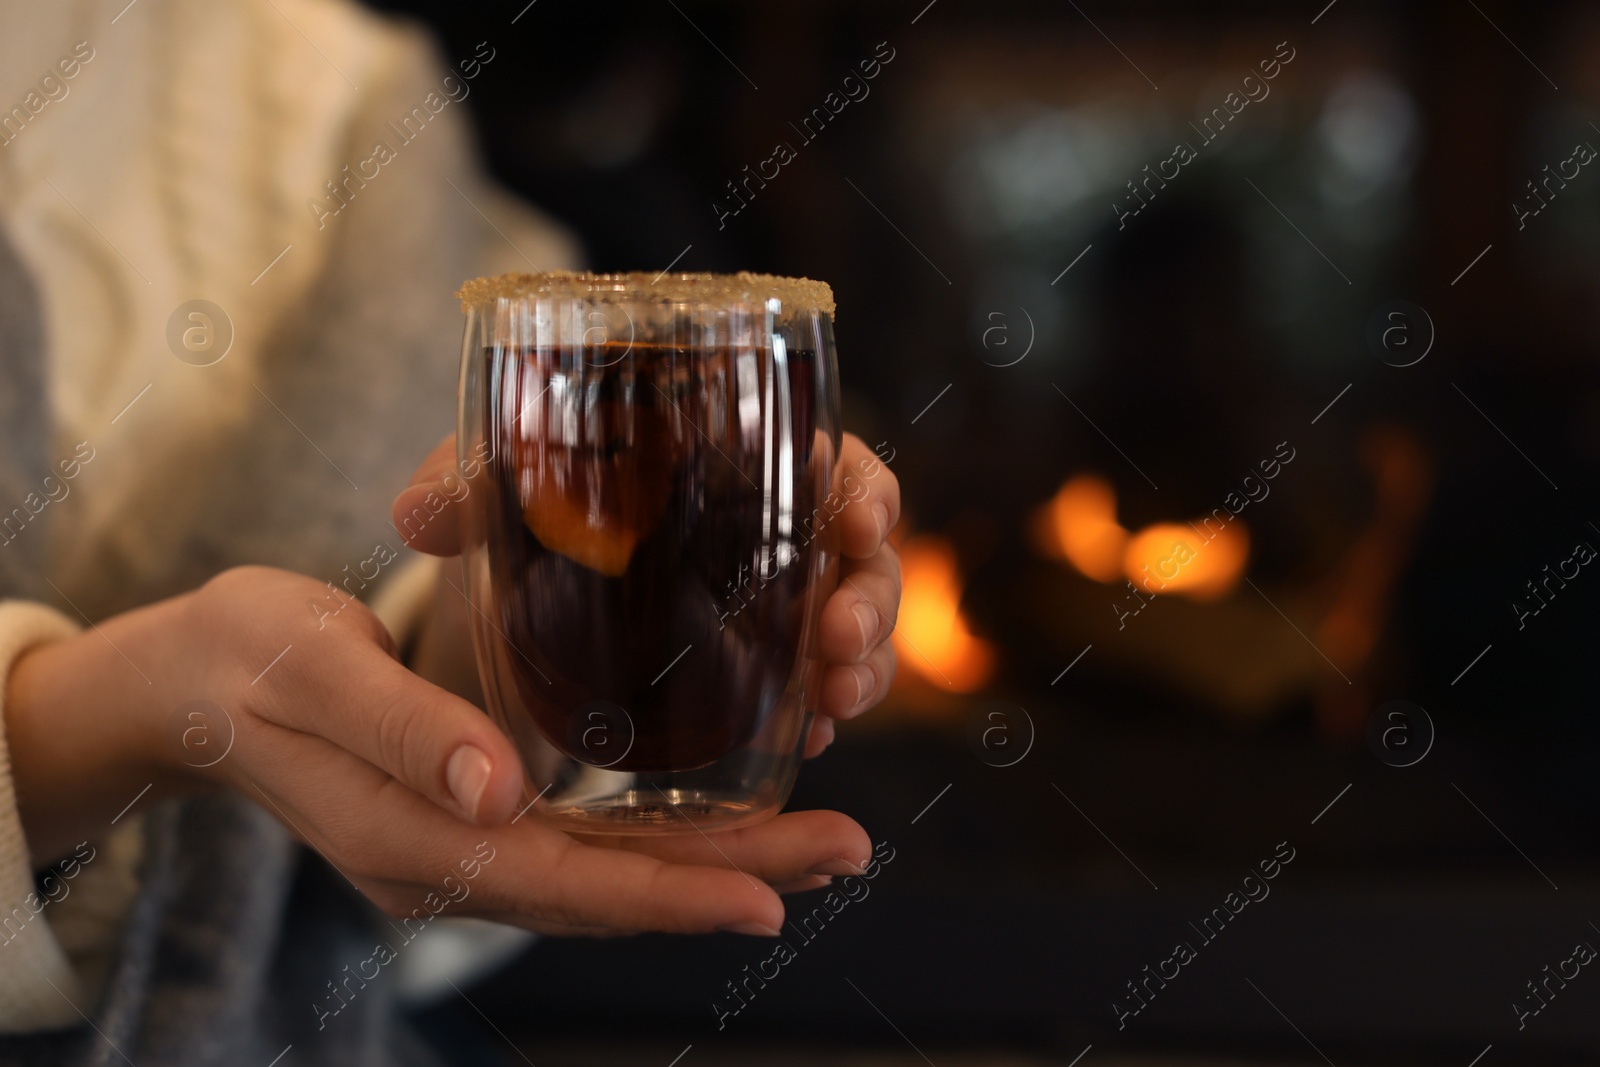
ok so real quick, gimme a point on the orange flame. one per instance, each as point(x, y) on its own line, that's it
point(931, 636)
point(1079, 524)
point(1177, 558)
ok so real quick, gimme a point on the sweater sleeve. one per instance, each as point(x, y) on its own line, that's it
point(39, 989)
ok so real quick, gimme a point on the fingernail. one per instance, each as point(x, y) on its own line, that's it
point(753, 929)
point(867, 622)
point(866, 681)
point(840, 866)
point(468, 775)
point(880, 515)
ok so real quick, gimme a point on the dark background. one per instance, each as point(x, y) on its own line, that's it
point(1218, 322)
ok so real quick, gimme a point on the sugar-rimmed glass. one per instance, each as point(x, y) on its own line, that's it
point(646, 543)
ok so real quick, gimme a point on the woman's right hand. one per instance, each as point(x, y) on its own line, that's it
point(396, 782)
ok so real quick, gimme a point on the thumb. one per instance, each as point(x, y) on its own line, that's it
point(427, 513)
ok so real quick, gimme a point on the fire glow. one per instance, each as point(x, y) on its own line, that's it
point(1079, 525)
point(931, 636)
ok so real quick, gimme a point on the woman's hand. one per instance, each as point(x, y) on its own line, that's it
point(856, 620)
point(396, 782)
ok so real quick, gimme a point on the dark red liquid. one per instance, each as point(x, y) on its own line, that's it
point(641, 505)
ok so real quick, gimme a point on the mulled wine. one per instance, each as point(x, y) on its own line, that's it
point(651, 541)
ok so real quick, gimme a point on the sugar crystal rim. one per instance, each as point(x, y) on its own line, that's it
point(743, 287)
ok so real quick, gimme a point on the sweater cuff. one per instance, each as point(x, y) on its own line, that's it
point(38, 987)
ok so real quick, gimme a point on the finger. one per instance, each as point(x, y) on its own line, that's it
point(553, 929)
point(803, 885)
point(850, 689)
point(344, 809)
point(573, 889)
point(819, 737)
point(327, 799)
point(583, 885)
point(425, 512)
point(861, 613)
point(872, 495)
point(395, 837)
point(425, 738)
point(783, 849)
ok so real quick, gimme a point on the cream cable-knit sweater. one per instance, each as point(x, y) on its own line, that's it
point(178, 161)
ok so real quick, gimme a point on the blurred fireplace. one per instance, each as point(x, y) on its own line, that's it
point(1085, 405)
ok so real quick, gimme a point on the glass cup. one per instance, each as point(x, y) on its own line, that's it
point(646, 544)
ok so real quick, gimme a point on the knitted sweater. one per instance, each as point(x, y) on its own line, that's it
point(157, 154)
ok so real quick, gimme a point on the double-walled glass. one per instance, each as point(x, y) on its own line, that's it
point(647, 550)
